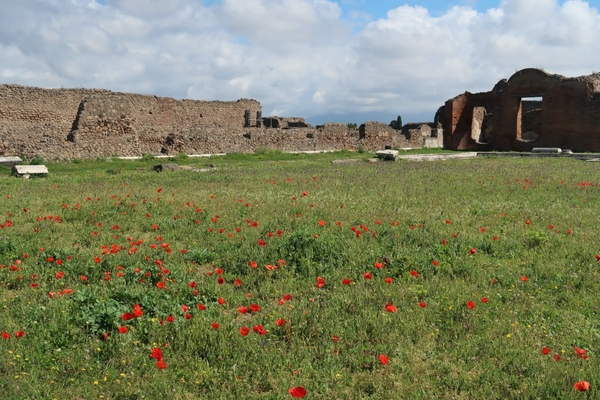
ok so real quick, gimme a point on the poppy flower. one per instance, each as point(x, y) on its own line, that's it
point(59, 275)
point(188, 316)
point(527, 222)
point(335, 338)
point(259, 329)
point(378, 265)
point(389, 280)
point(580, 353)
point(5, 335)
point(484, 300)
point(127, 316)
point(254, 307)
point(237, 282)
point(368, 276)
point(19, 334)
point(297, 392)
point(414, 273)
point(220, 280)
point(448, 222)
point(287, 297)
point(123, 330)
point(280, 322)
point(391, 308)
point(383, 359)
point(422, 304)
point(244, 331)
point(322, 223)
point(156, 353)
point(472, 250)
point(221, 301)
point(582, 386)
point(556, 357)
point(346, 281)
point(201, 307)
point(160, 285)
point(435, 263)
point(320, 282)
point(253, 264)
point(215, 325)
point(495, 238)
point(546, 350)
point(160, 364)
point(524, 278)
point(470, 304)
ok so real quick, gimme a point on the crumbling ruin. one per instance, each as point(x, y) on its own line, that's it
point(530, 109)
point(89, 123)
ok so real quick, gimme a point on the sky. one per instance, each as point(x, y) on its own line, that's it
point(324, 60)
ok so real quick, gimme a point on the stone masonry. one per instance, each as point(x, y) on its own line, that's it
point(64, 124)
point(531, 109)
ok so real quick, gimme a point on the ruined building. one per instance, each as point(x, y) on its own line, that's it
point(531, 109)
point(89, 123)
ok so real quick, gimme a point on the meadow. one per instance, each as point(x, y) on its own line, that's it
point(277, 276)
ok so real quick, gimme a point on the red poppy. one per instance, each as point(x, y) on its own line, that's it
point(527, 222)
point(470, 304)
point(389, 280)
point(346, 281)
point(160, 285)
point(556, 357)
point(253, 264)
point(435, 263)
point(495, 238)
point(156, 353)
point(444, 242)
point(472, 250)
point(391, 308)
point(5, 335)
point(297, 392)
point(335, 338)
point(414, 273)
point(242, 309)
point(378, 265)
point(384, 359)
point(321, 223)
point(320, 282)
point(484, 300)
point(19, 334)
point(160, 364)
point(287, 297)
point(127, 316)
point(220, 280)
point(368, 276)
point(546, 350)
point(259, 329)
point(215, 325)
point(244, 331)
point(170, 318)
point(262, 243)
point(580, 352)
point(254, 307)
point(201, 307)
point(59, 275)
point(582, 386)
point(524, 278)
point(123, 330)
point(188, 316)
point(422, 304)
point(280, 322)
point(221, 301)
point(237, 282)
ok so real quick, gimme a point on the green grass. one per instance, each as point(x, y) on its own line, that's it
point(130, 231)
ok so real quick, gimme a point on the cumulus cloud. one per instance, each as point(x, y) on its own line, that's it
point(297, 57)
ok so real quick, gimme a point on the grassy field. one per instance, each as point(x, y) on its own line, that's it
point(460, 279)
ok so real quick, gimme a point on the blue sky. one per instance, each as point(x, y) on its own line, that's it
point(325, 60)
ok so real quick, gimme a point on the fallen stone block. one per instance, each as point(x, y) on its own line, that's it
point(27, 170)
point(547, 150)
point(9, 161)
point(387, 155)
point(163, 167)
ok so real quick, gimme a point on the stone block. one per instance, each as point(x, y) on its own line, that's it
point(164, 167)
point(9, 161)
point(26, 170)
point(554, 150)
point(387, 155)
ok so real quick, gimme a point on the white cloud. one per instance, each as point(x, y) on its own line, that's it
point(297, 57)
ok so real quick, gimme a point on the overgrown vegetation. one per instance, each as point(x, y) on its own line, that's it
point(460, 279)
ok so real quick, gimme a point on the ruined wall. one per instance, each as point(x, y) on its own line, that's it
point(567, 117)
point(86, 123)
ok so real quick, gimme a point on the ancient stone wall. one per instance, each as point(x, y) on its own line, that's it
point(86, 123)
point(568, 116)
